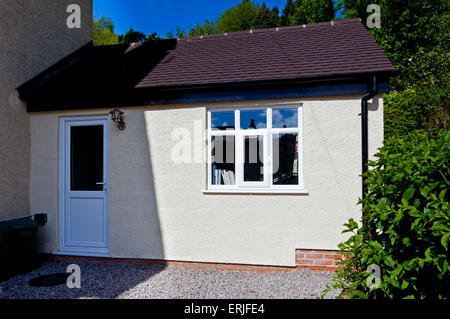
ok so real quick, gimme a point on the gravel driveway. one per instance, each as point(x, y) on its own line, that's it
point(124, 281)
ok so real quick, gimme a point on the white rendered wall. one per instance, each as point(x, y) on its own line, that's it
point(158, 209)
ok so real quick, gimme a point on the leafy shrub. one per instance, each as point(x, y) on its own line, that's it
point(423, 99)
point(405, 227)
point(421, 107)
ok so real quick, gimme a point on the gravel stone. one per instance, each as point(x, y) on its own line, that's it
point(107, 281)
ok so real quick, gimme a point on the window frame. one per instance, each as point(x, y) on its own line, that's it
point(267, 133)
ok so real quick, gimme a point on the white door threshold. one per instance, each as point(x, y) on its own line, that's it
point(81, 253)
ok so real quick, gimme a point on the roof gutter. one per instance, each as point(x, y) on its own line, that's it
point(373, 90)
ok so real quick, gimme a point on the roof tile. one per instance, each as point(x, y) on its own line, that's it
point(296, 52)
point(284, 53)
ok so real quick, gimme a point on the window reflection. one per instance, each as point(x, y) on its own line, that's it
point(253, 159)
point(222, 120)
point(253, 119)
point(285, 159)
point(284, 118)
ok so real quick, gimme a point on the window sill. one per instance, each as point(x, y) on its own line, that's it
point(258, 191)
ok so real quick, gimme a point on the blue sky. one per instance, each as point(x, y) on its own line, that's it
point(162, 16)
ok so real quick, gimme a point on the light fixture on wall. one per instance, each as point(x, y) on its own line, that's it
point(117, 117)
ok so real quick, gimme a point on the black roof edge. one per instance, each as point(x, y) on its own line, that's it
point(34, 84)
point(361, 77)
point(129, 97)
point(28, 90)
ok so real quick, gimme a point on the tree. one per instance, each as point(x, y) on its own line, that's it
point(170, 35)
point(312, 11)
point(103, 31)
point(132, 36)
point(244, 16)
point(152, 37)
point(416, 40)
point(265, 18)
point(208, 27)
point(238, 18)
point(421, 26)
point(415, 36)
point(180, 33)
point(288, 13)
point(353, 8)
point(406, 230)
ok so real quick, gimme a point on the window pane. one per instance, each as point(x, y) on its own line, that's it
point(253, 119)
point(222, 120)
point(253, 159)
point(283, 118)
point(285, 159)
point(86, 158)
point(223, 160)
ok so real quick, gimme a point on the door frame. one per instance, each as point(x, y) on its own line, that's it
point(63, 162)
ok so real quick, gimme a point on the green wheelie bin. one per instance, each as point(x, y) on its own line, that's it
point(22, 244)
point(4, 251)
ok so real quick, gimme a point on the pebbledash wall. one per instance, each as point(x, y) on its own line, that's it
point(34, 36)
point(158, 208)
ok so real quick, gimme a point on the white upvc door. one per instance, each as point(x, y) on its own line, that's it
point(84, 215)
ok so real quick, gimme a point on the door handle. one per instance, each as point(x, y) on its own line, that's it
point(103, 184)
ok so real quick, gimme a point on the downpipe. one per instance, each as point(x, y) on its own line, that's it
point(373, 90)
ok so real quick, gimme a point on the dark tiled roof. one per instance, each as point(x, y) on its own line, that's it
point(298, 52)
point(261, 57)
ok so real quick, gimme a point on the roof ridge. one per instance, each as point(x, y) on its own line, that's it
point(266, 30)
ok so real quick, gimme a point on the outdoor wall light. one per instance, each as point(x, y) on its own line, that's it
point(117, 117)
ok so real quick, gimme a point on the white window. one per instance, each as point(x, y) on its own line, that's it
point(255, 149)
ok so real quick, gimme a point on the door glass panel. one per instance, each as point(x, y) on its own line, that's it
point(86, 158)
point(285, 159)
point(253, 158)
point(222, 158)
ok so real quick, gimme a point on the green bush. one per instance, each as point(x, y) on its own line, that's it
point(422, 107)
point(420, 99)
point(405, 227)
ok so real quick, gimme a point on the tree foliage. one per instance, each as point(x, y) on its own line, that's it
point(265, 17)
point(287, 14)
point(307, 11)
point(415, 37)
point(248, 15)
point(312, 11)
point(405, 227)
point(351, 9)
point(132, 36)
point(244, 16)
point(208, 27)
point(238, 18)
point(103, 31)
